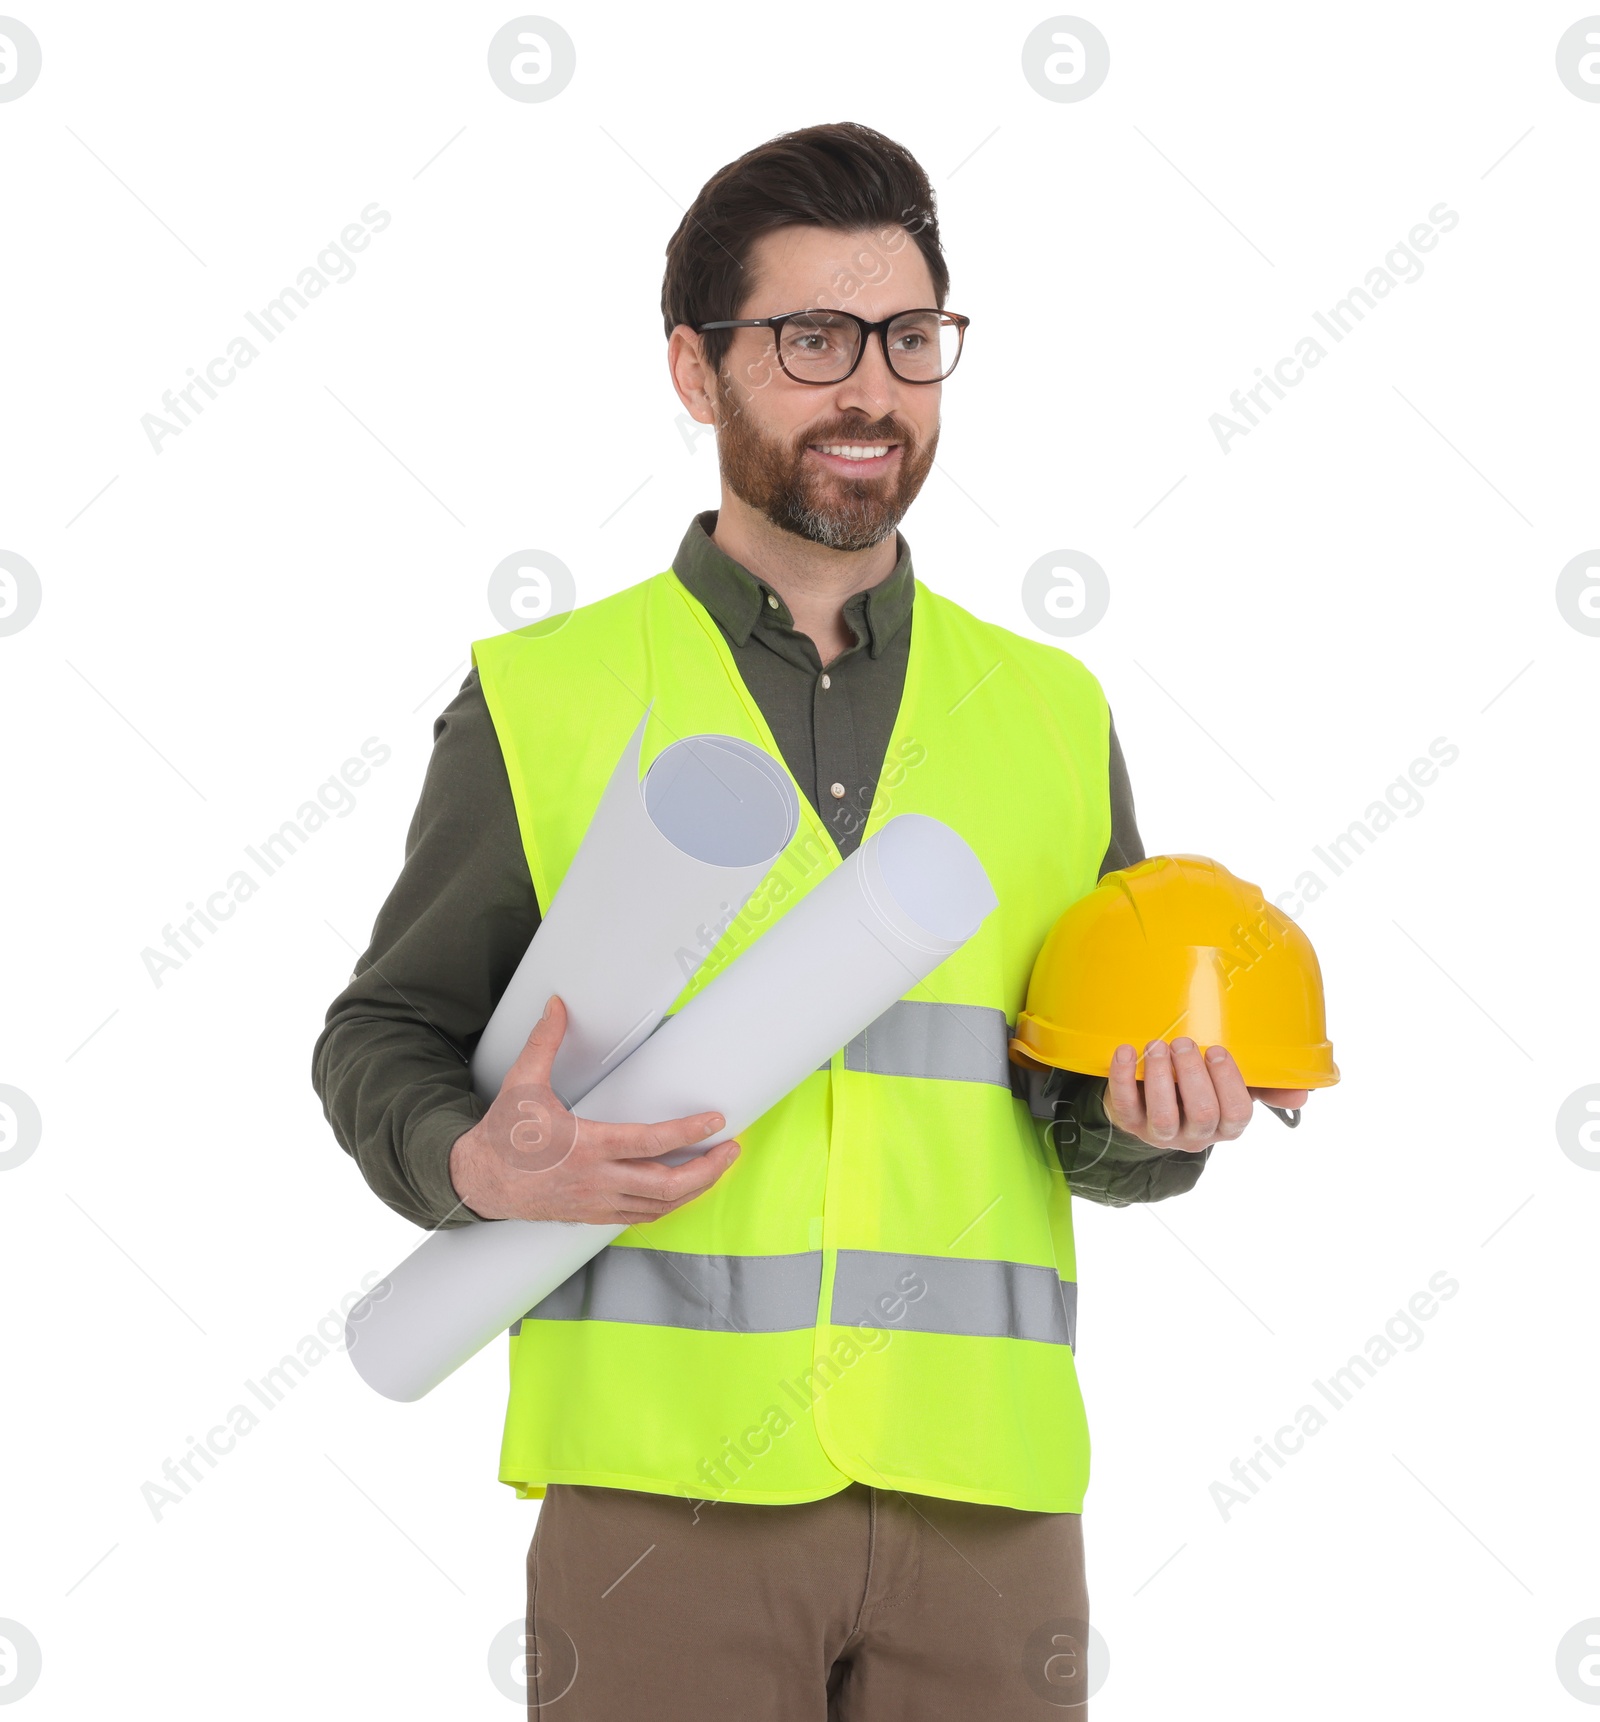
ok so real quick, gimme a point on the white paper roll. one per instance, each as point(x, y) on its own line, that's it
point(863, 937)
point(664, 866)
point(857, 941)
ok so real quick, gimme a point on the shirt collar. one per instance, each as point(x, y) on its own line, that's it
point(737, 599)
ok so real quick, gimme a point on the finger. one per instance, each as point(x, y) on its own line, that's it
point(1124, 1107)
point(633, 1215)
point(1162, 1118)
point(1201, 1110)
point(642, 1208)
point(645, 1141)
point(631, 1210)
point(616, 1207)
point(1289, 1098)
point(1233, 1098)
point(673, 1183)
point(538, 1053)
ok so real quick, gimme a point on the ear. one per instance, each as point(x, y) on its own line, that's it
point(691, 375)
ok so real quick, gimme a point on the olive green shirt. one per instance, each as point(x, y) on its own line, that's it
point(392, 1064)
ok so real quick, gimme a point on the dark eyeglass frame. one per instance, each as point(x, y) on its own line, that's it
point(868, 330)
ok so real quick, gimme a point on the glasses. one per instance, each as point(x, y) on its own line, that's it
point(826, 346)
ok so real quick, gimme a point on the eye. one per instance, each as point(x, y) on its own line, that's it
point(915, 336)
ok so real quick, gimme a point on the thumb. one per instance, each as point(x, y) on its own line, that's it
point(533, 1063)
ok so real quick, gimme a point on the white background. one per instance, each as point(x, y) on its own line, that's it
point(1374, 566)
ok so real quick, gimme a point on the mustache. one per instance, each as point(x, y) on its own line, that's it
point(852, 430)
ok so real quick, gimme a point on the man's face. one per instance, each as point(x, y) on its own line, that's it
point(777, 439)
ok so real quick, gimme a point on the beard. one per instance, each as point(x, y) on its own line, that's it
point(840, 513)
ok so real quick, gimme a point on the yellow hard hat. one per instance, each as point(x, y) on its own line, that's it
point(1176, 945)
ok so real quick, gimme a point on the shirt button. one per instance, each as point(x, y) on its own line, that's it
point(772, 600)
point(827, 681)
point(836, 790)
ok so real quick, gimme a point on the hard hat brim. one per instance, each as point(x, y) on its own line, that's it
point(1041, 1045)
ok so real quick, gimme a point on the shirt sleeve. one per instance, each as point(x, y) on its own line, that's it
point(1102, 1163)
point(1107, 1165)
point(391, 1065)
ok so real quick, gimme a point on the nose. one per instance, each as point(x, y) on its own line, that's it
point(871, 388)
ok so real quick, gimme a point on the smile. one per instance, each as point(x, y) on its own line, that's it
point(855, 454)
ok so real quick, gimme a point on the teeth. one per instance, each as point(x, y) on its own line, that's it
point(855, 450)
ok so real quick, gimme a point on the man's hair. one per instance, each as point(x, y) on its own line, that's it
point(842, 176)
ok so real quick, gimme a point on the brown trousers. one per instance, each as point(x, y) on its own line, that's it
point(868, 1606)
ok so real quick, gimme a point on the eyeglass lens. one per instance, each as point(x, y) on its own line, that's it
point(819, 346)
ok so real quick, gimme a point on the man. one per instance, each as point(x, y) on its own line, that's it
point(808, 1436)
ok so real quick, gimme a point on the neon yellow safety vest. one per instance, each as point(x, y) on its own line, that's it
point(883, 1286)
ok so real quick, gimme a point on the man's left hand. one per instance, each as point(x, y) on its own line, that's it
point(1185, 1101)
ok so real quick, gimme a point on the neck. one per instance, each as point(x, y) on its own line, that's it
point(812, 580)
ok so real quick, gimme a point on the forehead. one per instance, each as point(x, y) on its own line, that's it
point(874, 272)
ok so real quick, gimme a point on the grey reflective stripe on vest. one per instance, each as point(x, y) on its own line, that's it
point(989, 1300)
point(778, 1294)
point(670, 1288)
point(948, 1042)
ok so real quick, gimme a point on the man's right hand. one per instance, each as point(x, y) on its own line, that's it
point(529, 1158)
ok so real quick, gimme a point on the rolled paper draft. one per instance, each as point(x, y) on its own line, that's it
point(861, 938)
point(664, 866)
